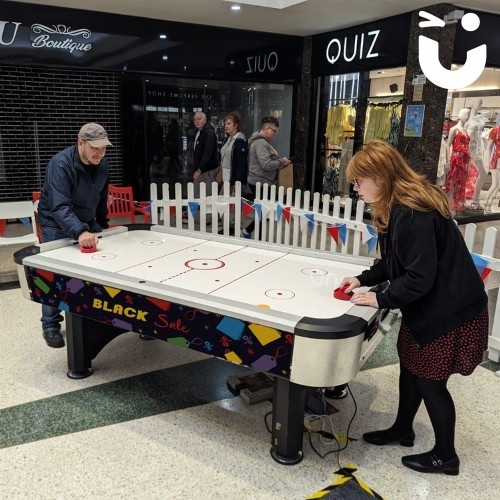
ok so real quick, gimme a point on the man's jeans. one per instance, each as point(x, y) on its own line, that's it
point(51, 317)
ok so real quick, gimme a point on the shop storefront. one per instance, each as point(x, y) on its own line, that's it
point(368, 84)
point(481, 101)
point(142, 79)
point(359, 92)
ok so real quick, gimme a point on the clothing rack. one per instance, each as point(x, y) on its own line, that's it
point(386, 104)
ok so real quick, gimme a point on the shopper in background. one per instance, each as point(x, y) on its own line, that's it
point(234, 151)
point(264, 161)
point(206, 158)
point(435, 284)
point(73, 204)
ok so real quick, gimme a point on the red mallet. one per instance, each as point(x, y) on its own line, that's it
point(340, 293)
point(88, 250)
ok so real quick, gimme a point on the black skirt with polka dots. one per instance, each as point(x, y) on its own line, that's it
point(459, 351)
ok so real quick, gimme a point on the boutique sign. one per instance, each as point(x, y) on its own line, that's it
point(56, 37)
point(380, 44)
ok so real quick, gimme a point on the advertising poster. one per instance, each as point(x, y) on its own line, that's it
point(414, 120)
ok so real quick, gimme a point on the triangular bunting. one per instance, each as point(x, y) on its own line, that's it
point(369, 237)
point(481, 264)
point(310, 218)
point(286, 213)
point(279, 211)
point(193, 207)
point(247, 208)
point(334, 233)
point(258, 210)
point(342, 233)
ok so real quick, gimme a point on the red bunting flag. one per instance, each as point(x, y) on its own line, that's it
point(334, 232)
point(286, 213)
point(247, 209)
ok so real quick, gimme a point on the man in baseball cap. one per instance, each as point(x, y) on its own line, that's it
point(73, 204)
point(94, 134)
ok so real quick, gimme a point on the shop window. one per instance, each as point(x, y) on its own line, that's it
point(479, 147)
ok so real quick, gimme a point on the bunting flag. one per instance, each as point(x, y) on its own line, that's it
point(246, 208)
point(266, 211)
point(279, 211)
point(258, 209)
point(369, 237)
point(336, 231)
point(221, 207)
point(307, 222)
point(481, 265)
point(286, 213)
point(193, 207)
point(171, 210)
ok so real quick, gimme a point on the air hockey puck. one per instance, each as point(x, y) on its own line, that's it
point(88, 250)
point(339, 293)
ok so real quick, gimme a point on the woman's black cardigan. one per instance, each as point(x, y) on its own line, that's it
point(433, 279)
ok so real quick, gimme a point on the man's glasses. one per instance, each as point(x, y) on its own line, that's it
point(275, 130)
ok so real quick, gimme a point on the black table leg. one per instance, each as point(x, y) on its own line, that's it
point(85, 338)
point(287, 433)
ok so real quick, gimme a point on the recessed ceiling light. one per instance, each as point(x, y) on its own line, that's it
point(235, 7)
point(165, 58)
point(163, 37)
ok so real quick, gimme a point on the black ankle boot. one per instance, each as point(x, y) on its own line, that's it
point(389, 436)
point(430, 462)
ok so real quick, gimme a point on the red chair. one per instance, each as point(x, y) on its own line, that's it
point(121, 204)
point(35, 196)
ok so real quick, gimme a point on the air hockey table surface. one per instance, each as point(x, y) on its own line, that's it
point(262, 305)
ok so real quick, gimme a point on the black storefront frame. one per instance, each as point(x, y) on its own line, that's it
point(195, 51)
point(360, 49)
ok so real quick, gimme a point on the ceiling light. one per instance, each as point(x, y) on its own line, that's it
point(235, 7)
point(163, 37)
point(165, 58)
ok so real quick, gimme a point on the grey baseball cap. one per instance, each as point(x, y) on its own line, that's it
point(95, 135)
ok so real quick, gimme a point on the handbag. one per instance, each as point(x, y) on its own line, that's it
point(218, 174)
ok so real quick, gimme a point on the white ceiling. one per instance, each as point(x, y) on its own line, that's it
point(304, 18)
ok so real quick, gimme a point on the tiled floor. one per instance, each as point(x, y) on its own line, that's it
point(157, 421)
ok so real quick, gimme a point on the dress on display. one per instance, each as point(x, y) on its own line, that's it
point(495, 137)
point(456, 179)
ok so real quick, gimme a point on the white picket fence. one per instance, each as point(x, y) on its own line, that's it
point(287, 217)
point(298, 219)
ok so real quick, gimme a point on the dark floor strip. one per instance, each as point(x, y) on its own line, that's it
point(136, 397)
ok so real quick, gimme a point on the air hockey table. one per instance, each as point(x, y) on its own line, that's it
point(266, 306)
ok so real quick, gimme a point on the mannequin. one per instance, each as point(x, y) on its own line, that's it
point(474, 127)
point(456, 178)
point(493, 153)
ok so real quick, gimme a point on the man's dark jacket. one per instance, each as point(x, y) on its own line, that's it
point(71, 199)
point(206, 156)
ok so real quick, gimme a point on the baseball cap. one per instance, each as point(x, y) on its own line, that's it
point(95, 135)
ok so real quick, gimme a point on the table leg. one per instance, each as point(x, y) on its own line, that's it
point(85, 338)
point(287, 433)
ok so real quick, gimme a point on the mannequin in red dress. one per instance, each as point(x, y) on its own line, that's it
point(474, 127)
point(456, 178)
point(493, 153)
